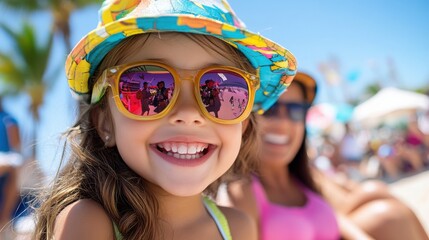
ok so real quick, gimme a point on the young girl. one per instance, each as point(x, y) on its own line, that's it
point(140, 176)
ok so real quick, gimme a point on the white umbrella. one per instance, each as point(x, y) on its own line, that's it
point(389, 103)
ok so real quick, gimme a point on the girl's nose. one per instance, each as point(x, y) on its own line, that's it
point(186, 109)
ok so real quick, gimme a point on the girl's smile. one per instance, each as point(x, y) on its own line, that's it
point(186, 154)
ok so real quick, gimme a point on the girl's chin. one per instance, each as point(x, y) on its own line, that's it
point(181, 190)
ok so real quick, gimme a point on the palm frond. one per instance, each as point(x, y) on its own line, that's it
point(11, 75)
point(24, 5)
point(24, 70)
point(85, 3)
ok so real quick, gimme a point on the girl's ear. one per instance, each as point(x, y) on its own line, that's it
point(104, 125)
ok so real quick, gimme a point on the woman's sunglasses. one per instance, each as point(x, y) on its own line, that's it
point(148, 90)
point(296, 111)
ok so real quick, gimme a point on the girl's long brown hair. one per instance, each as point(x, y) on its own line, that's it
point(94, 171)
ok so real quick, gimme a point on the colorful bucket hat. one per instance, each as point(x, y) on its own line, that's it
point(124, 18)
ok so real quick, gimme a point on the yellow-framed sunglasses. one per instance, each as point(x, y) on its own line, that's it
point(148, 90)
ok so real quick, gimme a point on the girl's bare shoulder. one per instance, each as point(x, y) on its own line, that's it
point(83, 219)
point(242, 226)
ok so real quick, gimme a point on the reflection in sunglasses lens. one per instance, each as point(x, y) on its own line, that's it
point(224, 93)
point(146, 90)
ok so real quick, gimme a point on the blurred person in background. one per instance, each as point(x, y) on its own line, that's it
point(352, 149)
point(10, 160)
point(415, 140)
point(423, 126)
point(289, 198)
point(370, 207)
point(402, 152)
point(389, 161)
point(281, 195)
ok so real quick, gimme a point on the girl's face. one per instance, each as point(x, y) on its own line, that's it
point(281, 136)
point(155, 149)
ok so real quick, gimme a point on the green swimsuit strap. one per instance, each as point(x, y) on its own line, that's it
point(118, 235)
point(215, 213)
point(219, 218)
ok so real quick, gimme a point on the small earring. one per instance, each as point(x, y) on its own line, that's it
point(106, 138)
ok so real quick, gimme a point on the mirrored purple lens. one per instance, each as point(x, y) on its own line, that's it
point(224, 93)
point(146, 90)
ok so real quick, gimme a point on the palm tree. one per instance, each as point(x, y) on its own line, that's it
point(60, 9)
point(24, 69)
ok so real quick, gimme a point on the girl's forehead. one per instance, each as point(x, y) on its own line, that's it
point(179, 50)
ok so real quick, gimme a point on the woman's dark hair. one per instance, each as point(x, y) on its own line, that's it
point(300, 165)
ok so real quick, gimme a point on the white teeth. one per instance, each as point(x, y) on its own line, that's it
point(202, 146)
point(192, 149)
point(276, 138)
point(183, 150)
point(167, 146)
point(174, 147)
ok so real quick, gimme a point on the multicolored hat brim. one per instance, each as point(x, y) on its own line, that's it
point(275, 64)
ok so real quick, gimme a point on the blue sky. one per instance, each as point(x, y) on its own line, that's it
point(364, 41)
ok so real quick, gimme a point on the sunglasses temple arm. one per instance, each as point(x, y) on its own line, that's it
point(99, 88)
point(255, 79)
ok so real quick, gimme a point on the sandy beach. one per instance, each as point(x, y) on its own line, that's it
point(414, 191)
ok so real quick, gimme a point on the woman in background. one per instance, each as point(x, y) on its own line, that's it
point(282, 195)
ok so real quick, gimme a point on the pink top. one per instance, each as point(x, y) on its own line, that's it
point(315, 220)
